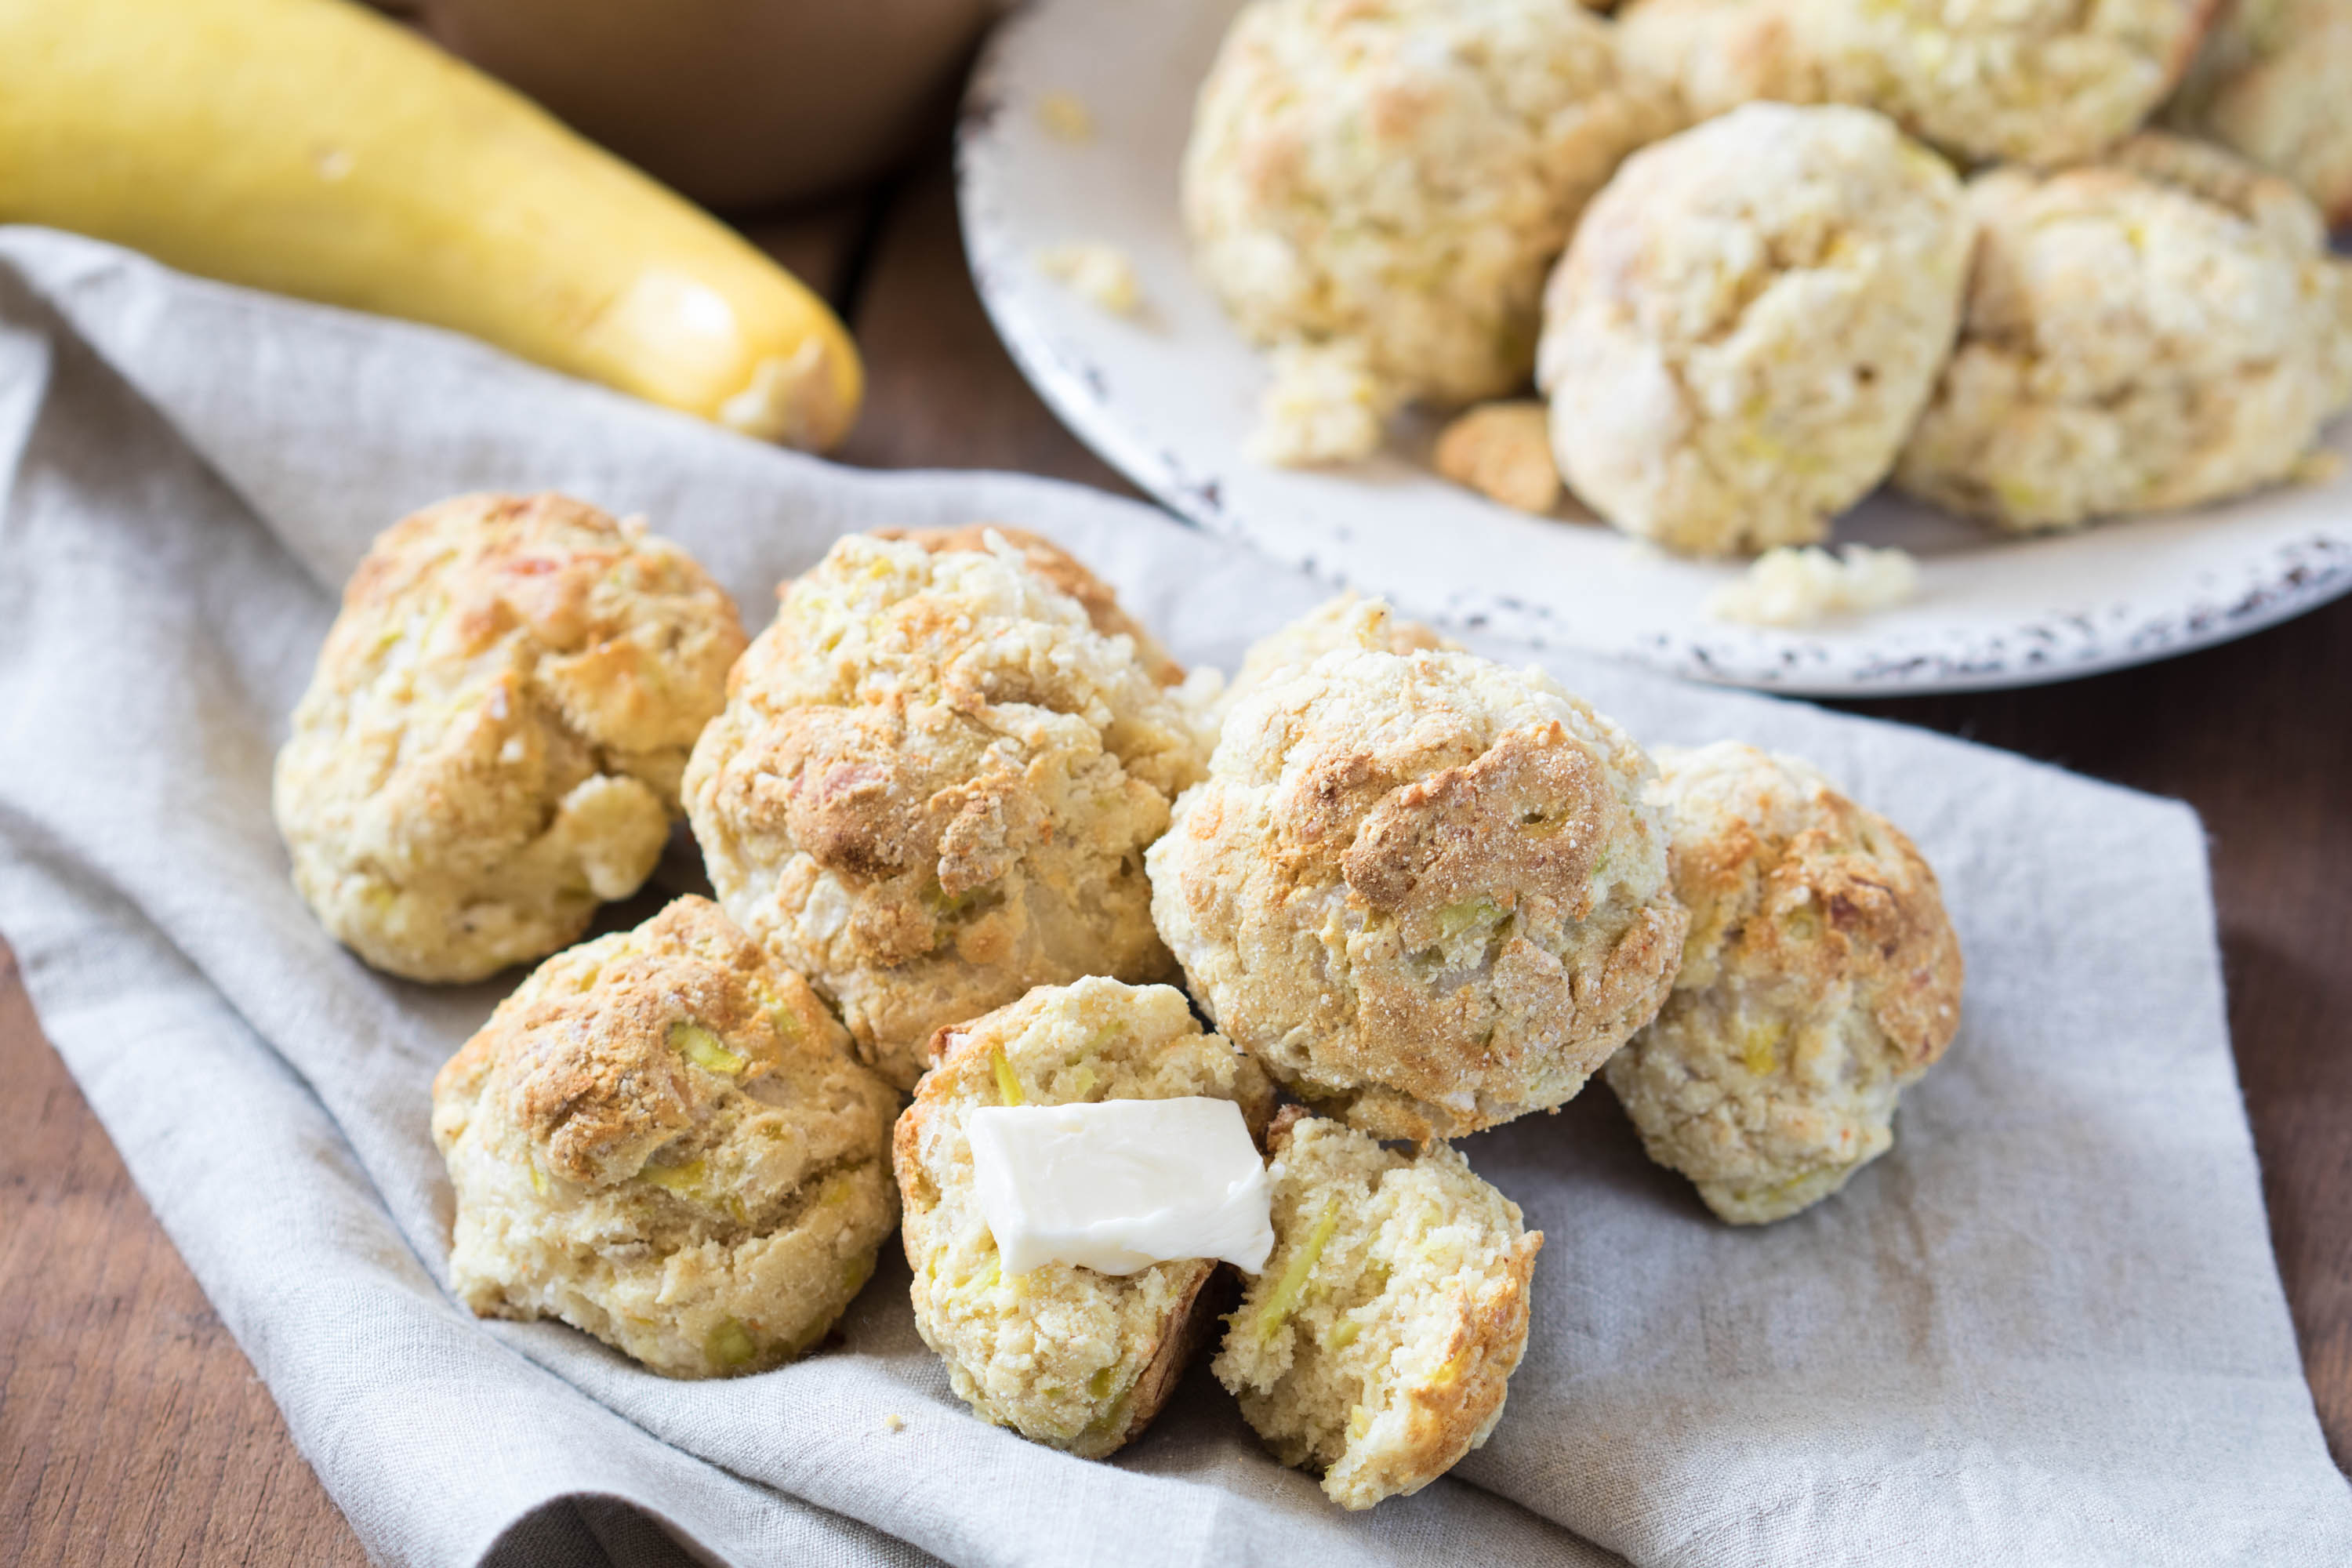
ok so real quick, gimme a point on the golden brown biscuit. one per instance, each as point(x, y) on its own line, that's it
point(1819, 977)
point(1062, 1354)
point(492, 742)
point(932, 787)
point(1378, 1344)
point(1423, 890)
point(662, 1138)
point(2159, 331)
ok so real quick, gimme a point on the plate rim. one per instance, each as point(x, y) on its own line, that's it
point(2295, 577)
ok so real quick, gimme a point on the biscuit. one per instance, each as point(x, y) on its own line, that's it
point(1423, 890)
point(2274, 82)
point(932, 787)
point(662, 1139)
point(1395, 179)
point(492, 740)
point(2041, 84)
point(1746, 323)
point(1820, 975)
point(2160, 330)
point(1066, 1356)
point(1378, 1344)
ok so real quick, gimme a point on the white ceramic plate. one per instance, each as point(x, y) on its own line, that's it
point(1169, 401)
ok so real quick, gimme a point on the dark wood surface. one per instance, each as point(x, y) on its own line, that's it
point(133, 1430)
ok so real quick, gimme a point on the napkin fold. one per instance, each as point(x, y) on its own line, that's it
point(2047, 1329)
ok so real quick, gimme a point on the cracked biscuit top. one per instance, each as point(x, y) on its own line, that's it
point(932, 786)
point(492, 742)
point(663, 1139)
point(1423, 889)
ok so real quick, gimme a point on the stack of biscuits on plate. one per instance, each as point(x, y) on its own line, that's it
point(1793, 249)
point(969, 827)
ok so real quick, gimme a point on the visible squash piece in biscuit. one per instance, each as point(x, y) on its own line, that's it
point(1378, 1343)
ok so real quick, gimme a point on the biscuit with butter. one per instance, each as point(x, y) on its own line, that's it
point(1066, 1356)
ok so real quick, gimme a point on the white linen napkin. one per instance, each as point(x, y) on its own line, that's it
point(2047, 1329)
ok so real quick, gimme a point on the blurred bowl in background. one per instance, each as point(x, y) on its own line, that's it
point(737, 103)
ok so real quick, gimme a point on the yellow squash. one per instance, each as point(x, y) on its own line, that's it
point(312, 147)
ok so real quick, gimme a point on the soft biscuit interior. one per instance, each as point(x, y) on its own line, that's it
point(1064, 1355)
point(1377, 1344)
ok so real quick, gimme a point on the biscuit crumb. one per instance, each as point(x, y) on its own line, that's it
point(1323, 405)
point(1097, 273)
point(1800, 586)
point(1067, 118)
point(1503, 450)
point(894, 1423)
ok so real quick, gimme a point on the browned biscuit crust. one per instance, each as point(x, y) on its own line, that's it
point(662, 1137)
point(492, 740)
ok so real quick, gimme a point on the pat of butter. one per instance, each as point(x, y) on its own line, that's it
point(1122, 1185)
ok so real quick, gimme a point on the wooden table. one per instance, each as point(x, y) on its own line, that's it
point(131, 1428)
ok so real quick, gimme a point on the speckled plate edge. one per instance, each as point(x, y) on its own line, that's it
point(2229, 593)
